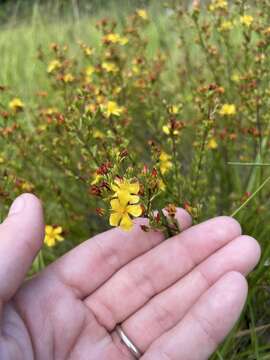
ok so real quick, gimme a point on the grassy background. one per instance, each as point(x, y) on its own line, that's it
point(26, 25)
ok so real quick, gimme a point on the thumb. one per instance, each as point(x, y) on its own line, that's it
point(21, 237)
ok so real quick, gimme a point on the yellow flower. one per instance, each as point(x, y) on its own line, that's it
point(227, 109)
point(2, 159)
point(135, 69)
point(161, 185)
point(68, 78)
point(53, 65)
point(52, 235)
point(97, 134)
point(117, 90)
point(246, 20)
point(125, 203)
point(115, 39)
point(88, 51)
point(111, 108)
point(218, 5)
point(126, 191)
point(142, 13)
point(16, 105)
point(235, 77)
point(121, 212)
point(89, 70)
point(174, 109)
point(50, 111)
point(226, 26)
point(167, 130)
point(165, 163)
point(212, 144)
point(109, 67)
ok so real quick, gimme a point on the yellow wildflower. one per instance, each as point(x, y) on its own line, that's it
point(142, 13)
point(111, 108)
point(117, 90)
point(235, 77)
point(135, 69)
point(88, 73)
point(161, 185)
point(50, 111)
point(68, 78)
point(212, 144)
point(126, 191)
point(88, 51)
point(227, 109)
point(16, 105)
point(2, 159)
point(167, 130)
point(89, 70)
point(97, 134)
point(109, 67)
point(125, 203)
point(165, 163)
point(115, 39)
point(53, 65)
point(174, 109)
point(246, 20)
point(27, 186)
point(52, 235)
point(121, 212)
point(226, 26)
point(218, 5)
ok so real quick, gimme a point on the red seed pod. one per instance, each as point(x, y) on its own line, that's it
point(100, 211)
point(95, 190)
point(154, 172)
point(124, 153)
point(157, 218)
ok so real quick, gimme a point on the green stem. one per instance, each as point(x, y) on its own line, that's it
point(251, 197)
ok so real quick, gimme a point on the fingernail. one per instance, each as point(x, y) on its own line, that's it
point(17, 205)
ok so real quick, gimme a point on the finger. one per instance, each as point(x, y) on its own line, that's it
point(131, 287)
point(206, 324)
point(21, 237)
point(106, 253)
point(166, 309)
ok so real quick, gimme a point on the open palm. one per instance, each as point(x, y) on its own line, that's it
point(175, 299)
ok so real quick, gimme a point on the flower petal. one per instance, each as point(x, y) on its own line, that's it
point(49, 241)
point(115, 219)
point(134, 210)
point(133, 199)
point(124, 197)
point(48, 229)
point(115, 204)
point(126, 222)
point(58, 230)
point(134, 188)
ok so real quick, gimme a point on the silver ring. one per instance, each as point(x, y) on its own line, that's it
point(129, 344)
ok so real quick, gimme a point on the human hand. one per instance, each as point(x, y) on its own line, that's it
point(175, 299)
